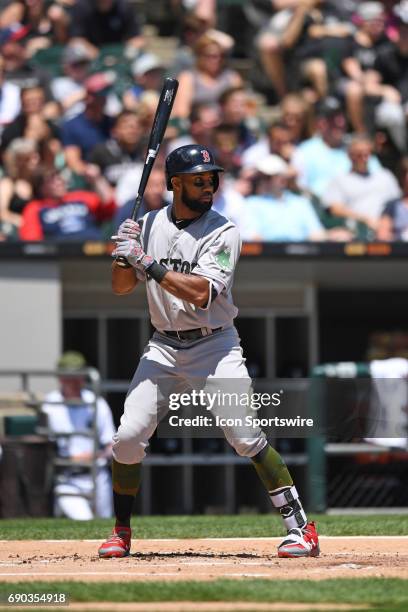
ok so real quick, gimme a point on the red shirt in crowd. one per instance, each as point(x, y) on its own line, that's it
point(76, 216)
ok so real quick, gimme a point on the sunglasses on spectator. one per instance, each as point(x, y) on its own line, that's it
point(80, 64)
point(212, 55)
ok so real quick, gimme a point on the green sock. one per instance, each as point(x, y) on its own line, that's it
point(272, 469)
point(126, 478)
point(126, 482)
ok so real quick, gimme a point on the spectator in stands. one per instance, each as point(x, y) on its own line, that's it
point(391, 19)
point(69, 90)
point(323, 156)
point(207, 80)
point(385, 149)
point(270, 42)
point(229, 202)
point(82, 133)
point(360, 194)
point(277, 141)
point(193, 26)
point(105, 22)
point(153, 199)
point(235, 110)
point(123, 150)
point(206, 10)
point(227, 148)
point(33, 121)
point(296, 114)
point(9, 99)
point(306, 36)
point(147, 109)
point(21, 161)
point(393, 223)
point(47, 23)
point(148, 74)
point(18, 69)
point(275, 213)
point(392, 65)
point(70, 410)
point(204, 117)
point(363, 80)
point(62, 215)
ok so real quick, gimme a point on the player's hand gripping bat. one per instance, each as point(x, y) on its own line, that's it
point(161, 119)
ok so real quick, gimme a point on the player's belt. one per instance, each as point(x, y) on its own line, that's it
point(192, 334)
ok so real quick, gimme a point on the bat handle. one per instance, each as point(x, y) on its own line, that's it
point(122, 262)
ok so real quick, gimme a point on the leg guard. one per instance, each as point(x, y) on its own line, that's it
point(290, 508)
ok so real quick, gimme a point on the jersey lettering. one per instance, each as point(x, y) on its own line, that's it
point(176, 263)
point(185, 267)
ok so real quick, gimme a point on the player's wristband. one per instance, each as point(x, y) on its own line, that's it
point(156, 271)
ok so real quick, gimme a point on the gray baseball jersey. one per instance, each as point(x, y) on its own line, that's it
point(209, 247)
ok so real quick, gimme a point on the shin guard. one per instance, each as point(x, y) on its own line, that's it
point(286, 501)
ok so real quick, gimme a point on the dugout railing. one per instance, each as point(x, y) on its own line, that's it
point(314, 461)
point(370, 471)
point(23, 421)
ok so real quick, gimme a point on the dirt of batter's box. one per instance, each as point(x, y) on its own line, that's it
point(202, 560)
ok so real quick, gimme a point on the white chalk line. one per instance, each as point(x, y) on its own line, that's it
point(134, 574)
point(247, 539)
point(149, 564)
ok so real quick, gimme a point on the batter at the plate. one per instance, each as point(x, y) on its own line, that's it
point(187, 253)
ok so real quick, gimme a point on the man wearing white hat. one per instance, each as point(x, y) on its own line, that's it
point(148, 72)
point(276, 213)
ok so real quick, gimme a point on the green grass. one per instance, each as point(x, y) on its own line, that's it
point(199, 526)
point(375, 591)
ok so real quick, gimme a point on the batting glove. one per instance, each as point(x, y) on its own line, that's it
point(128, 229)
point(133, 251)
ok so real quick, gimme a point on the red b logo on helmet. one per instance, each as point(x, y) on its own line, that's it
point(206, 156)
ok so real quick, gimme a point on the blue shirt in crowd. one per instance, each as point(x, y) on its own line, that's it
point(289, 218)
point(317, 164)
point(85, 134)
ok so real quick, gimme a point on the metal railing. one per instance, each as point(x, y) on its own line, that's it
point(34, 400)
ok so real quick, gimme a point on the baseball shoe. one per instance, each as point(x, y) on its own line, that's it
point(300, 542)
point(117, 545)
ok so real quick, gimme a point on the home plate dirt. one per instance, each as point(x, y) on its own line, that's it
point(202, 559)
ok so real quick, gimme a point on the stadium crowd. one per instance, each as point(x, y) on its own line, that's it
point(313, 136)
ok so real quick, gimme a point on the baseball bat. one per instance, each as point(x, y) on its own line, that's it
point(161, 118)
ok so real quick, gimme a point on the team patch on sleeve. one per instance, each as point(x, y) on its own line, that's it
point(223, 259)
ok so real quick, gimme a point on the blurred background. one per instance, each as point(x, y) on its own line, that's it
point(304, 103)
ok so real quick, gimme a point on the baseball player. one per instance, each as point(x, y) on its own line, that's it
point(186, 254)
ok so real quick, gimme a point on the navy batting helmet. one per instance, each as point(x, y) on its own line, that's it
point(190, 159)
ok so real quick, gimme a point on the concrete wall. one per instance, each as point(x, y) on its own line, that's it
point(30, 316)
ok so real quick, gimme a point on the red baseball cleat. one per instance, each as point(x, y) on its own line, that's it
point(118, 545)
point(300, 543)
